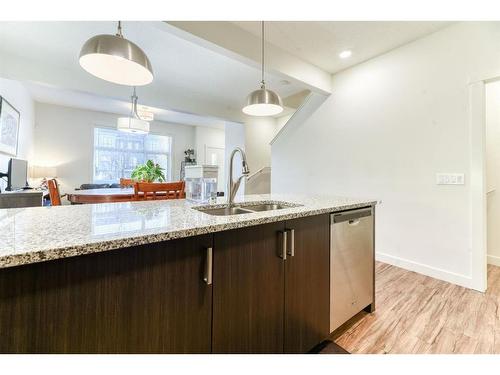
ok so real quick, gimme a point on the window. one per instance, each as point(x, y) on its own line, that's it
point(116, 153)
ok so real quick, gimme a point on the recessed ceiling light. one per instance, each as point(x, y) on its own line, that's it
point(345, 54)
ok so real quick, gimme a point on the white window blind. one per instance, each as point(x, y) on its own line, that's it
point(117, 153)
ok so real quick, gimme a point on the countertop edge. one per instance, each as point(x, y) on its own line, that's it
point(14, 260)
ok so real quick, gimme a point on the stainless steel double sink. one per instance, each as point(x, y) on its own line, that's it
point(245, 208)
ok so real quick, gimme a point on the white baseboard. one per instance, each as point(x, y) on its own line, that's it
point(437, 273)
point(493, 259)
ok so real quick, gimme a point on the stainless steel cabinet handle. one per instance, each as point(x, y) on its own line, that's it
point(208, 267)
point(291, 251)
point(354, 222)
point(282, 253)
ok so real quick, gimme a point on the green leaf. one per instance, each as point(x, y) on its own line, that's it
point(149, 172)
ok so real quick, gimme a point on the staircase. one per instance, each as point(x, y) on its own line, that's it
point(259, 182)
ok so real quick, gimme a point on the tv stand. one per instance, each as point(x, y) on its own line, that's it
point(21, 198)
point(1, 176)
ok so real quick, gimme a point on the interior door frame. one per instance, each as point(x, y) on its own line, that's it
point(478, 208)
point(221, 173)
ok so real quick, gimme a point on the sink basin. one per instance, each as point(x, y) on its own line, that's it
point(224, 211)
point(245, 208)
point(266, 207)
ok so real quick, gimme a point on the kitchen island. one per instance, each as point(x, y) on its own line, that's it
point(165, 277)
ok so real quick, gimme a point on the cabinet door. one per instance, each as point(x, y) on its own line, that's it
point(144, 299)
point(307, 283)
point(248, 290)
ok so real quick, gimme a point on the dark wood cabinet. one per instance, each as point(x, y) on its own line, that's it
point(307, 283)
point(248, 301)
point(145, 299)
point(154, 299)
point(264, 303)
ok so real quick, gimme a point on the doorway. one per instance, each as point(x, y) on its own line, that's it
point(492, 167)
point(216, 156)
point(480, 185)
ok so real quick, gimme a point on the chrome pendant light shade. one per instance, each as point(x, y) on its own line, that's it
point(116, 59)
point(263, 102)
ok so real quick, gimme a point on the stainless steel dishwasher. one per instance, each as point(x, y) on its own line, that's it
point(351, 264)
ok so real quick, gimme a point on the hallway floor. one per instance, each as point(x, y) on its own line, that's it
point(419, 314)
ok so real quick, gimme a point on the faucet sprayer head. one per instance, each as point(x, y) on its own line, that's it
point(245, 170)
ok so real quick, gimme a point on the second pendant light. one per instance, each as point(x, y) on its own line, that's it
point(133, 123)
point(263, 102)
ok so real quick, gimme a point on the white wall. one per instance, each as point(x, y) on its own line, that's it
point(390, 125)
point(259, 131)
point(205, 136)
point(234, 137)
point(211, 140)
point(492, 116)
point(15, 93)
point(64, 138)
point(281, 122)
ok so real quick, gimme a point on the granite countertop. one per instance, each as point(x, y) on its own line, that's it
point(31, 235)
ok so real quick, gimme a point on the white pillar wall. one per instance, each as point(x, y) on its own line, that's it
point(259, 131)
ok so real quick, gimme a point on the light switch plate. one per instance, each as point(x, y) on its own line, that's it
point(450, 179)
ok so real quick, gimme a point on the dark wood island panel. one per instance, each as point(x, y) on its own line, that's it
point(248, 290)
point(144, 299)
point(307, 284)
point(257, 289)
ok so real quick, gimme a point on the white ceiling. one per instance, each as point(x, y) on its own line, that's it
point(320, 42)
point(77, 99)
point(188, 77)
point(191, 81)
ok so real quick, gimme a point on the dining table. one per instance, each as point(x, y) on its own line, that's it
point(109, 195)
point(112, 195)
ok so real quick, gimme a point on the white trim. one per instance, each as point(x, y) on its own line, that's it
point(232, 41)
point(477, 196)
point(437, 273)
point(302, 105)
point(492, 76)
point(310, 104)
point(261, 170)
point(205, 147)
point(493, 259)
point(221, 174)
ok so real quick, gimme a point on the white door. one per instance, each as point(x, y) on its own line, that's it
point(215, 156)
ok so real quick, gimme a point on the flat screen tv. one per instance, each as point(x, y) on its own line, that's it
point(17, 175)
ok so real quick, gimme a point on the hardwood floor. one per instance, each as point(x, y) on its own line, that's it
point(419, 314)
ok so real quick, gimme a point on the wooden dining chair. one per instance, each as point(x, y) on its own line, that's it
point(126, 182)
point(54, 194)
point(159, 190)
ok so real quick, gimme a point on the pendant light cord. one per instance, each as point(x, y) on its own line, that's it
point(119, 31)
point(262, 32)
point(134, 105)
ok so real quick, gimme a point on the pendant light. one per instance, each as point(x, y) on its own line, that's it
point(263, 102)
point(133, 123)
point(116, 59)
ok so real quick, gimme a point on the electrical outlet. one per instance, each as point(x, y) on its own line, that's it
point(450, 179)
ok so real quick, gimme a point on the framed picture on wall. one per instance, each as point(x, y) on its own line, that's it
point(9, 127)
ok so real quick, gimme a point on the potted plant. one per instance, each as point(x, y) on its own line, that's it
point(149, 172)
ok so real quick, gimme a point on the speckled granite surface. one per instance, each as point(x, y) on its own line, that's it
point(30, 235)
